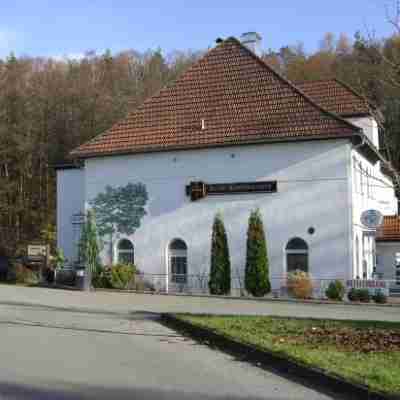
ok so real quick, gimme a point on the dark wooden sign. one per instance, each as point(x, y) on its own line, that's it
point(199, 190)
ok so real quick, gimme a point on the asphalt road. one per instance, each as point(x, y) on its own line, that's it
point(53, 354)
point(59, 344)
point(126, 303)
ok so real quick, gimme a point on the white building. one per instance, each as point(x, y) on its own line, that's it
point(388, 251)
point(307, 156)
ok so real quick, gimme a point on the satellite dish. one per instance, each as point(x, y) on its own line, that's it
point(372, 219)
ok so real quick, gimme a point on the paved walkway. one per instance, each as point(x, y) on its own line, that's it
point(127, 303)
point(51, 354)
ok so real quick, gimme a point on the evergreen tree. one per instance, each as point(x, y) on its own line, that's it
point(220, 271)
point(89, 249)
point(257, 273)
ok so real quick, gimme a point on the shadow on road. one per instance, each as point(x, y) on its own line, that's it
point(131, 317)
point(94, 330)
point(14, 391)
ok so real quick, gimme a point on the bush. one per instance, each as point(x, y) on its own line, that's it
point(23, 275)
point(364, 295)
point(335, 291)
point(379, 297)
point(122, 275)
point(100, 279)
point(257, 272)
point(220, 271)
point(300, 285)
point(119, 276)
point(353, 294)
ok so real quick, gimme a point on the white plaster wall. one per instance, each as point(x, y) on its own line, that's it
point(386, 252)
point(313, 191)
point(386, 256)
point(70, 201)
point(374, 191)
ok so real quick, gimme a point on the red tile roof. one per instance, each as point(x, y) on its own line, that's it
point(240, 98)
point(390, 230)
point(335, 96)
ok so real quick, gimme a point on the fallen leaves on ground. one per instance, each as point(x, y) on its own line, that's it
point(349, 339)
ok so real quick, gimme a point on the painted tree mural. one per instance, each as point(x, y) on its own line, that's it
point(120, 210)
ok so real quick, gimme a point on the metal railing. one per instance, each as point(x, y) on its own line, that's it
point(199, 284)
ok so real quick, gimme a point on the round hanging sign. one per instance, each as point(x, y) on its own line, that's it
point(372, 219)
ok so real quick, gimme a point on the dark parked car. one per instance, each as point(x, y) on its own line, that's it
point(4, 267)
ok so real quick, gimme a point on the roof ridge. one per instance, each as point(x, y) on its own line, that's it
point(322, 115)
point(294, 87)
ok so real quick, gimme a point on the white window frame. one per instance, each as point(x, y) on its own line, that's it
point(126, 251)
point(178, 254)
point(297, 251)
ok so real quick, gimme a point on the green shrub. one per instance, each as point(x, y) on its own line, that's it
point(300, 285)
point(100, 279)
point(257, 271)
point(220, 270)
point(59, 258)
point(364, 295)
point(23, 275)
point(353, 294)
point(121, 276)
point(118, 276)
point(379, 297)
point(335, 291)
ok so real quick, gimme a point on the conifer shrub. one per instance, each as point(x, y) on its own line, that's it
point(257, 269)
point(220, 269)
point(335, 291)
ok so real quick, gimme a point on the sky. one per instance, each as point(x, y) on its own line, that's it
point(71, 27)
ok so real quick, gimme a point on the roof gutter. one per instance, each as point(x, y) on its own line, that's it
point(74, 164)
point(255, 141)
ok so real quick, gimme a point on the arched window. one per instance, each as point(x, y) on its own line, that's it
point(125, 252)
point(178, 261)
point(296, 255)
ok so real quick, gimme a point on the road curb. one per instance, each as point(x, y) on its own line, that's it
point(245, 298)
point(310, 376)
